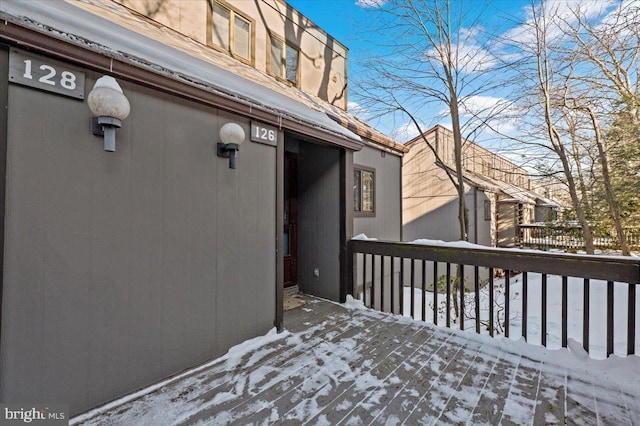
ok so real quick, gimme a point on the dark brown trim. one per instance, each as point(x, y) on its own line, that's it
point(175, 85)
point(346, 223)
point(358, 213)
point(279, 319)
point(4, 135)
point(620, 269)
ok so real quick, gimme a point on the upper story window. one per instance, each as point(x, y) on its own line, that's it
point(283, 60)
point(230, 31)
point(364, 191)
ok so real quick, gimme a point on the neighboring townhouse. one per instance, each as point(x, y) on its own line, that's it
point(130, 255)
point(498, 193)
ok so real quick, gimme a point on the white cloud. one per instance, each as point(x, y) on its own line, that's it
point(487, 106)
point(561, 15)
point(499, 114)
point(357, 110)
point(370, 3)
point(405, 132)
point(469, 58)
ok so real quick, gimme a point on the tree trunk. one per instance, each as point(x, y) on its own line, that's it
point(576, 158)
point(554, 137)
point(610, 196)
point(457, 141)
point(577, 205)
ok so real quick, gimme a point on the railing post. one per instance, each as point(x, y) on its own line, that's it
point(507, 296)
point(393, 289)
point(364, 279)
point(585, 315)
point(544, 310)
point(461, 290)
point(609, 318)
point(525, 298)
point(631, 325)
point(382, 283)
point(413, 287)
point(424, 291)
point(435, 293)
point(449, 295)
point(476, 288)
point(491, 312)
point(565, 311)
point(351, 270)
point(372, 293)
point(401, 296)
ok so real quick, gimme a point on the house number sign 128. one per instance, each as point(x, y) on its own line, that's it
point(262, 133)
point(40, 72)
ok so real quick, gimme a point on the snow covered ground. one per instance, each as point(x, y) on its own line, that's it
point(597, 306)
point(597, 314)
point(356, 366)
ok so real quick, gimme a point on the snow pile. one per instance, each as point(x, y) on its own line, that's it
point(233, 357)
point(440, 243)
point(363, 237)
point(352, 303)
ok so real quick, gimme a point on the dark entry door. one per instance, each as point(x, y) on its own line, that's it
point(290, 219)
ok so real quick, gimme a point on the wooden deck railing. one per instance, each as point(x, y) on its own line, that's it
point(383, 269)
point(568, 237)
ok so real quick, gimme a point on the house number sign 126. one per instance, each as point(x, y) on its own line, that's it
point(264, 134)
point(40, 72)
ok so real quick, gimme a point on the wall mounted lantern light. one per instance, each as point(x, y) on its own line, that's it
point(231, 135)
point(109, 106)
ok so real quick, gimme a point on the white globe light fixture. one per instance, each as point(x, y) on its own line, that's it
point(231, 135)
point(110, 106)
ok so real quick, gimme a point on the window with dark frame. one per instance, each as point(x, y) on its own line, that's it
point(230, 31)
point(364, 191)
point(283, 60)
point(487, 210)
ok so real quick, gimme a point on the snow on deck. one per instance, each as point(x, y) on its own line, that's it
point(339, 365)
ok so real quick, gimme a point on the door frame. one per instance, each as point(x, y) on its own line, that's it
point(291, 180)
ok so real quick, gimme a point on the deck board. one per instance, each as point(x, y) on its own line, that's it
point(349, 366)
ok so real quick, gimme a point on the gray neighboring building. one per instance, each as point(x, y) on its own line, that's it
point(499, 194)
point(123, 268)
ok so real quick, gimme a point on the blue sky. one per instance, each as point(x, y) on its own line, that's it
point(338, 17)
point(343, 19)
point(347, 21)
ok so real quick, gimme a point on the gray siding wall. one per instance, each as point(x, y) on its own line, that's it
point(387, 223)
point(124, 268)
point(442, 223)
point(319, 220)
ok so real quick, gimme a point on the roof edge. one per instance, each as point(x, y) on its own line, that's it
point(25, 32)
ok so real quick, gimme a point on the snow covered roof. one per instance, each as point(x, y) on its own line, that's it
point(371, 135)
point(116, 32)
point(516, 193)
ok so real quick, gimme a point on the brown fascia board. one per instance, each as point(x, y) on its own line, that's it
point(425, 134)
point(141, 73)
point(469, 179)
point(369, 136)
